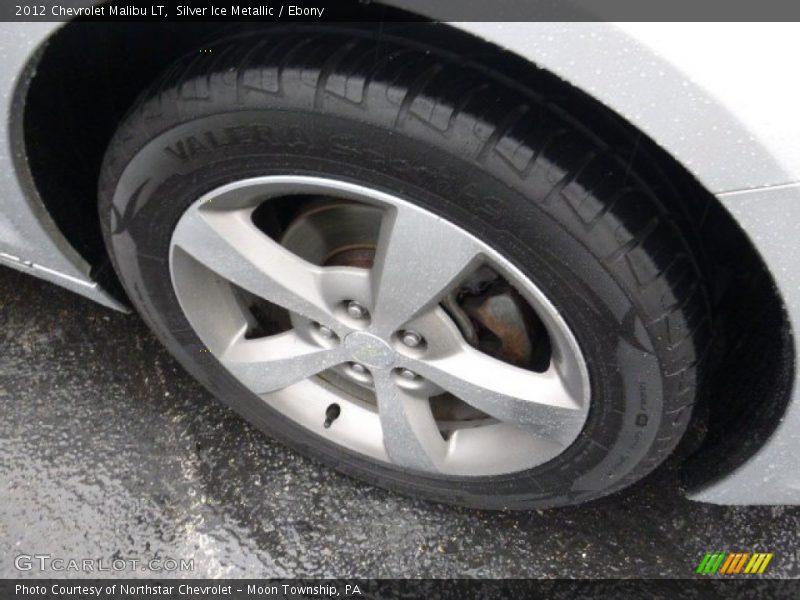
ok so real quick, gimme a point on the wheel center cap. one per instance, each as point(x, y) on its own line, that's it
point(369, 350)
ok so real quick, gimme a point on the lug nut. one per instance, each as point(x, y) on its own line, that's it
point(407, 374)
point(358, 368)
point(326, 332)
point(411, 339)
point(355, 310)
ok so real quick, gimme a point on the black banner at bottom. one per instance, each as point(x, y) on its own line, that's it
point(369, 589)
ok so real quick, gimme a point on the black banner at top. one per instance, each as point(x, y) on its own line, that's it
point(401, 10)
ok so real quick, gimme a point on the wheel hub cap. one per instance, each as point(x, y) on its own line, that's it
point(369, 350)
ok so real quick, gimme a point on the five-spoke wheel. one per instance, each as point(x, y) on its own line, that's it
point(383, 329)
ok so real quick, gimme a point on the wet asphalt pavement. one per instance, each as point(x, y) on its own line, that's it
point(109, 450)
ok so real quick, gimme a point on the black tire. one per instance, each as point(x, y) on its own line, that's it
point(493, 158)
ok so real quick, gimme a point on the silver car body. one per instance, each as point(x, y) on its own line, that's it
point(722, 99)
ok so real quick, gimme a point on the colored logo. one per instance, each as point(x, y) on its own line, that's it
point(734, 563)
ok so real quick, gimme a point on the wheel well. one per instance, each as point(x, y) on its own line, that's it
point(90, 73)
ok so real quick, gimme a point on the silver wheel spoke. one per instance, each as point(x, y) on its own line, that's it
point(227, 242)
point(417, 259)
point(278, 361)
point(537, 402)
point(410, 435)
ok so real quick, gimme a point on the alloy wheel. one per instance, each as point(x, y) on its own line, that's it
point(348, 316)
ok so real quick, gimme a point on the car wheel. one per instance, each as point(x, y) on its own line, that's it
point(408, 268)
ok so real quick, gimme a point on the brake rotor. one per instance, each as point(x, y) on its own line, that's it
point(335, 234)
